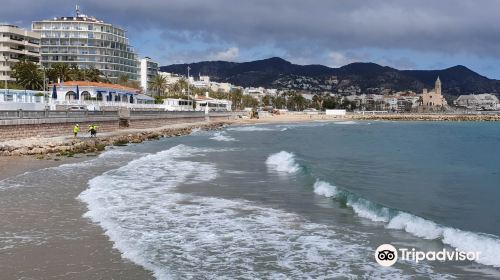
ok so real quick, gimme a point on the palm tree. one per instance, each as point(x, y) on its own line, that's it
point(236, 99)
point(123, 79)
point(93, 74)
point(28, 75)
point(159, 84)
point(60, 71)
point(76, 74)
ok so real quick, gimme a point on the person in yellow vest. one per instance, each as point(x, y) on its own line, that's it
point(95, 127)
point(76, 129)
point(93, 130)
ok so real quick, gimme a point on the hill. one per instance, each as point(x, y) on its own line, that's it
point(352, 78)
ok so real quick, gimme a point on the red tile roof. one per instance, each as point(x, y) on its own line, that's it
point(95, 84)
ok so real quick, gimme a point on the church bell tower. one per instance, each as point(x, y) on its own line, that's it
point(438, 86)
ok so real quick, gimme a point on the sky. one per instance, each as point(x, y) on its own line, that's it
point(405, 34)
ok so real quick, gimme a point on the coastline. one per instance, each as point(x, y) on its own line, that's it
point(67, 146)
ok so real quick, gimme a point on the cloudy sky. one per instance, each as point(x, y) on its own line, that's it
point(406, 34)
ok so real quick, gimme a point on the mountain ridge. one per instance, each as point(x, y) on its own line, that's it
point(358, 77)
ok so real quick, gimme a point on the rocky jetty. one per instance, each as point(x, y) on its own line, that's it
point(70, 147)
point(427, 117)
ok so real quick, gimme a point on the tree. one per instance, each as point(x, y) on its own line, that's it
point(267, 100)
point(317, 102)
point(280, 102)
point(123, 79)
point(249, 102)
point(236, 97)
point(60, 71)
point(159, 84)
point(75, 74)
point(92, 74)
point(330, 102)
point(28, 75)
point(297, 102)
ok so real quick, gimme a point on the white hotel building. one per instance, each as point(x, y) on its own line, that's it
point(149, 69)
point(87, 42)
point(16, 44)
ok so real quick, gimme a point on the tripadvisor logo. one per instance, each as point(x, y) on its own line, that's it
point(387, 255)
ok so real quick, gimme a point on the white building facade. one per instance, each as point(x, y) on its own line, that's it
point(149, 69)
point(483, 101)
point(16, 44)
point(87, 42)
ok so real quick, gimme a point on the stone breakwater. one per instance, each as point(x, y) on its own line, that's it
point(424, 117)
point(70, 147)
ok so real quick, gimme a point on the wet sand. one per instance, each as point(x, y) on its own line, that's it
point(44, 234)
point(15, 165)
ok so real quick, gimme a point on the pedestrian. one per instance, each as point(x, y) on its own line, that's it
point(76, 129)
point(92, 130)
point(95, 129)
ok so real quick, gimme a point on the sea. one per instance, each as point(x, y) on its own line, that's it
point(299, 200)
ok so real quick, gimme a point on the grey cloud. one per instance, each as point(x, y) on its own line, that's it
point(298, 26)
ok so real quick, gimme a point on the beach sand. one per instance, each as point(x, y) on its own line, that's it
point(44, 233)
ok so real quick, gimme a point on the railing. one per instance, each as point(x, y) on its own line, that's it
point(167, 114)
point(25, 114)
point(98, 103)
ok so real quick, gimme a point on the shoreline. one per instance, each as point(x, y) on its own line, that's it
point(56, 148)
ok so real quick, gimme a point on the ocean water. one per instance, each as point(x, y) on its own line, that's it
point(301, 201)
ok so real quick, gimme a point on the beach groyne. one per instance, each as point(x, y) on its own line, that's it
point(71, 146)
point(427, 117)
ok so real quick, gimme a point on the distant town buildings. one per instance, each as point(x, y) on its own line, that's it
point(149, 69)
point(16, 44)
point(170, 77)
point(483, 101)
point(87, 42)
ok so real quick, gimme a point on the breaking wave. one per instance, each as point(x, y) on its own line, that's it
point(250, 128)
point(183, 236)
point(283, 162)
point(488, 245)
point(222, 136)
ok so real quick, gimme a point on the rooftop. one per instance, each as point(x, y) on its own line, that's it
point(96, 84)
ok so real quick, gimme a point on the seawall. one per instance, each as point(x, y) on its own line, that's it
point(15, 128)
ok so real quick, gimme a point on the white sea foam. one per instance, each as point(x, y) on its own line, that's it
point(182, 236)
point(283, 162)
point(368, 210)
point(250, 128)
point(222, 136)
point(346, 122)
point(325, 189)
point(415, 225)
point(488, 245)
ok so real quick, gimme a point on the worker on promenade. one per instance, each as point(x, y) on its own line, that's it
point(95, 126)
point(76, 129)
point(93, 130)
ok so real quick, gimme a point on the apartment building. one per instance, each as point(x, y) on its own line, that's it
point(149, 69)
point(87, 42)
point(16, 44)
